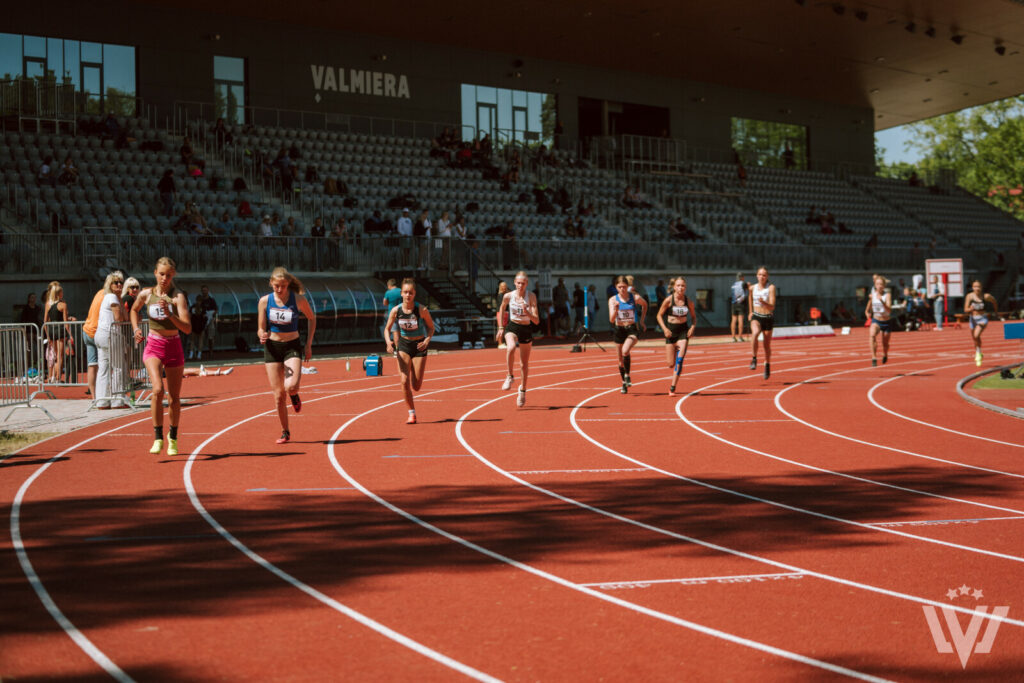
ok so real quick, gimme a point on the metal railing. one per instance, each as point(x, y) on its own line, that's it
point(121, 375)
point(19, 375)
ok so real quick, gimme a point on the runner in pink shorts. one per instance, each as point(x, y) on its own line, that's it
point(164, 355)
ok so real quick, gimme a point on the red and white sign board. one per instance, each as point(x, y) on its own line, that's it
point(949, 270)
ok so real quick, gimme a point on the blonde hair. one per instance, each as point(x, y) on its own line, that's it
point(54, 290)
point(677, 279)
point(166, 261)
point(294, 283)
point(128, 284)
point(111, 276)
point(409, 281)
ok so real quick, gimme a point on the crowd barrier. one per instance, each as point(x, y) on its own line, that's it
point(128, 380)
point(61, 359)
point(17, 373)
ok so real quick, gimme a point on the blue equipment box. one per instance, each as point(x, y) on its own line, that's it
point(374, 365)
point(1013, 330)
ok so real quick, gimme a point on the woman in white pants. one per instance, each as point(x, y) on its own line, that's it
point(111, 311)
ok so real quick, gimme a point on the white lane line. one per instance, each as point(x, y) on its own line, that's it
point(728, 421)
point(454, 455)
point(778, 405)
point(740, 553)
point(79, 638)
point(630, 419)
point(323, 488)
point(604, 470)
point(564, 582)
point(941, 522)
point(699, 580)
point(871, 397)
point(528, 431)
point(323, 598)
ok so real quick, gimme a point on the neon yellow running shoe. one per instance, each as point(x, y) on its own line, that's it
point(977, 358)
point(158, 445)
point(172, 446)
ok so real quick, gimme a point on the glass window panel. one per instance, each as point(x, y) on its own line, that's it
point(34, 68)
point(235, 104)
point(535, 108)
point(10, 55)
point(229, 69)
point(55, 56)
point(35, 46)
point(489, 95)
point(71, 63)
point(92, 52)
point(119, 69)
point(504, 111)
point(91, 79)
point(468, 109)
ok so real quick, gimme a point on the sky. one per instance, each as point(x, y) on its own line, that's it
point(893, 139)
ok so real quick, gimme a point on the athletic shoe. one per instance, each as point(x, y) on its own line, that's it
point(158, 445)
point(885, 359)
point(767, 370)
point(296, 403)
point(629, 382)
point(227, 371)
point(977, 358)
point(412, 419)
point(521, 398)
point(672, 390)
point(874, 362)
point(202, 371)
point(507, 384)
point(284, 438)
point(753, 363)
point(625, 388)
point(172, 446)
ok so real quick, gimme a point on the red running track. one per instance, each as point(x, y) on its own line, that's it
point(835, 521)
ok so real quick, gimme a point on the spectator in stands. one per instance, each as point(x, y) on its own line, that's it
point(579, 228)
point(375, 223)
point(583, 208)
point(404, 228)
point(913, 180)
point(339, 241)
point(266, 227)
point(289, 229)
point(189, 159)
point(631, 199)
point(311, 175)
point(788, 159)
point(317, 231)
point(221, 135)
point(569, 227)
point(224, 226)
point(464, 156)
point(422, 230)
point(562, 199)
point(68, 173)
point(46, 175)
point(813, 217)
point(515, 166)
point(167, 192)
point(197, 224)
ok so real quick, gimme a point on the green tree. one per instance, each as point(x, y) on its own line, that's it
point(762, 143)
point(983, 146)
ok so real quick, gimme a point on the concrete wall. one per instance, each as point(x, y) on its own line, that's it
point(175, 50)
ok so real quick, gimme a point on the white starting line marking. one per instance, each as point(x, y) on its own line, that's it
point(327, 488)
point(608, 469)
point(697, 581)
point(941, 522)
point(731, 421)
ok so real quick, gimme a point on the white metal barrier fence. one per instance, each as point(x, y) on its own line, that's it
point(128, 380)
point(17, 375)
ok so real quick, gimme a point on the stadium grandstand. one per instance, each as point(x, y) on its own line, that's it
point(572, 140)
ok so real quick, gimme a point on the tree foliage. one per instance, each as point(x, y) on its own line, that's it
point(983, 145)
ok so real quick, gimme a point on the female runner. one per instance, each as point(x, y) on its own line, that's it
point(520, 308)
point(164, 355)
point(974, 303)
point(879, 312)
point(678, 327)
point(283, 353)
point(58, 336)
point(410, 344)
point(762, 318)
point(622, 313)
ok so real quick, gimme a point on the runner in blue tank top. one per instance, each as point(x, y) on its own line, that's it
point(283, 353)
point(626, 312)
